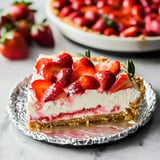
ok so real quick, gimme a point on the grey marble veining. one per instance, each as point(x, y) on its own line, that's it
point(143, 145)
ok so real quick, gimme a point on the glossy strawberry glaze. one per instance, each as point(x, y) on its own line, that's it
point(61, 116)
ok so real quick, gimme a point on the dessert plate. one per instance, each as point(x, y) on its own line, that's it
point(108, 43)
point(82, 135)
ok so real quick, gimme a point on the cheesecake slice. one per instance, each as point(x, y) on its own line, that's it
point(69, 90)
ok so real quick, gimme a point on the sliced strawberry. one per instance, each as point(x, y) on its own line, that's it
point(80, 71)
point(114, 67)
point(121, 83)
point(88, 82)
point(101, 66)
point(83, 62)
point(50, 70)
point(64, 76)
point(106, 80)
point(53, 93)
point(41, 62)
point(74, 88)
point(39, 87)
point(64, 60)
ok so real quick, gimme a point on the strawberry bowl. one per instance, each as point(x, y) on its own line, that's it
point(100, 41)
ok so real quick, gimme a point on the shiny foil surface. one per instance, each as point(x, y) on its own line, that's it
point(82, 135)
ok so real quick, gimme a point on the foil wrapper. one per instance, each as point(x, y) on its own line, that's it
point(82, 135)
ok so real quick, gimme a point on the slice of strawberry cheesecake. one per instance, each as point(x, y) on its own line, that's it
point(72, 90)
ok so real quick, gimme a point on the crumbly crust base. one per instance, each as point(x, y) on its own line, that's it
point(129, 114)
point(84, 28)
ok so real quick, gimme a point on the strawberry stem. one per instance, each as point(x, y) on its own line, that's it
point(88, 53)
point(130, 68)
point(109, 22)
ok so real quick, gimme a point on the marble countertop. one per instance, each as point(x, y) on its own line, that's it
point(143, 145)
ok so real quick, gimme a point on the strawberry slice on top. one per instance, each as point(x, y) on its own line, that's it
point(40, 86)
point(83, 62)
point(122, 82)
point(50, 71)
point(80, 71)
point(64, 60)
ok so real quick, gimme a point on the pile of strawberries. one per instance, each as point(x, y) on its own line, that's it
point(62, 77)
point(18, 29)
point(124, 18)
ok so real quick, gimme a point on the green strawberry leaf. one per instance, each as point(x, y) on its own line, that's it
point(23, 2)
point(6, 37)
point(109, 22)
point(130, 68)
point(88, 53)
point(6, 28)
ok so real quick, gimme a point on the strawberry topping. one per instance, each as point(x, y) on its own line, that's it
point(89, 82)
point(106, 80)
point(64, 76)
point(83, 62)
point(40, 86)
point(64, 60)
point(84, 70)
point(121, 83)
point(54, 92)
point(50, 70)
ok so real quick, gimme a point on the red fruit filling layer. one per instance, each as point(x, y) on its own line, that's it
point(91, 111)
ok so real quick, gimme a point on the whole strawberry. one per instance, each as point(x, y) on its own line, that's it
point(20, 10)
point(13, 46)
point(42, 34)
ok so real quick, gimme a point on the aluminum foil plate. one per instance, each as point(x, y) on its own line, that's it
point(82, 135)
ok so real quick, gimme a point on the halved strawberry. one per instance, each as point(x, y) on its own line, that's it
point(50, 70)
point(83, 62)
point(88, 82)
point(80, 71)
point(114, 67)
point(41, 62)
point(106, 80)
point(54, 92)
point(65, 60)
point(40, 86)
point(64, 76)
point(121, 83)
point(74, 88)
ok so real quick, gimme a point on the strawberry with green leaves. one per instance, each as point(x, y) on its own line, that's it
point(42, 34)
point(20, 10)
point(12, 44)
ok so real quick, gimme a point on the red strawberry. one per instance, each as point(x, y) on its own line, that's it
point(50, 70)
point(88, 82)
point(53, 93)
point(41, 62)
point(106, 79)
point(20, 10)
point(109, 31)
point(130, 32)
point(5, 19)
point(74, 14)
point(23, 27)
point(122, 82)
point(40, 86)
point(65, 11)
point(64, 76)
point(114, 67)
point(99, 26)
point(74, 88)
point(83, 62)
point(81, 21)
point(42, 34)
point(64, 60)
point(13, 46)
point(60, 4)
point(80, 71)
point(76, 5)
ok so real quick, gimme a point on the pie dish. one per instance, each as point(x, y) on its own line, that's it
point(70, 90)
point(81, 35)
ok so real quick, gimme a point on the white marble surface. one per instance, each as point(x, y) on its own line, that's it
point(143, 145)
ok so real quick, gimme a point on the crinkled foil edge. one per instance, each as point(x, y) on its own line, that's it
point(20, 122)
